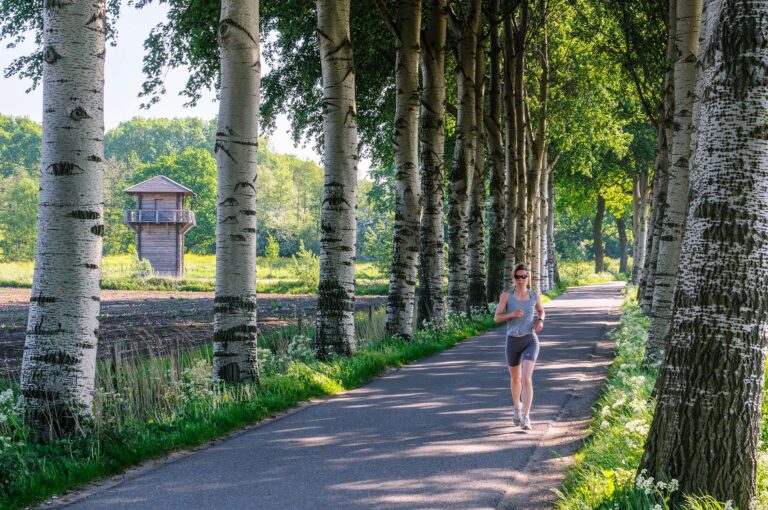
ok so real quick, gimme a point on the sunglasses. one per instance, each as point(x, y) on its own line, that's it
point(521, 276)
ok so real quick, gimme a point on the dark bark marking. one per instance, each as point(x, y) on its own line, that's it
point(228, 219)
point(220, 146)
point(248, 212)
point(236, 237)
point(50, 55)
point(226, 24)
point(62, 169)
point(230, 372)
point(91, 266)
point(241, 333)
point(245, 184)
point(38, 330)
point(94, 158)
point(56, 358)
point(84, 215)
point(79, 113)
point(98, 230)
point(248, 230)
point(42, 299)
point(231, 304)
point(231, 201)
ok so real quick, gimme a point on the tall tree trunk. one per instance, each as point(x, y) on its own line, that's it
point(476, 244)
point(623, 256)
point(406, 27)
point(639, 224)
point(496, 169)
point(432, 267)
point(463, 160)
point(661, 165)
point(336, 292)
point(521, 217)
point(537, 166)
point(237, 139)
point(554, 274)
point(687, 27)
point(543, 220)
point(510, 156)
point(712, 376)
point(58, 368)
point(597, 234)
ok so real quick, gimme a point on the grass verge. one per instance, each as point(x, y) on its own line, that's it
point(149, 408)
point(604, 476)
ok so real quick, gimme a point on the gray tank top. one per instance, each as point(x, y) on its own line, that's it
point(519, 326)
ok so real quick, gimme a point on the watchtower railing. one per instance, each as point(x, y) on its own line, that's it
point(159, 216)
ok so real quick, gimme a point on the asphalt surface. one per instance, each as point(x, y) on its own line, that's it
point(436, 434)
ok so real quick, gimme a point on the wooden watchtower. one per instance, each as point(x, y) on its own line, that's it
point(160, 221)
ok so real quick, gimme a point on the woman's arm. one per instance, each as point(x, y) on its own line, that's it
point(500, 316)
point(539, 325)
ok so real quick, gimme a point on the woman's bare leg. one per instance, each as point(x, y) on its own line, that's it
point(515, 385)
point(527, 380)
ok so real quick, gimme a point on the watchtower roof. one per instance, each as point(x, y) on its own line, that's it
point(159, 184)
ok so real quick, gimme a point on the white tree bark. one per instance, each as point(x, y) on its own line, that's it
point(476, 241)
point(432, 146)
point(510, 156)
point(463, 160)
point(543, 221)
point(554, 277)
point(336, 293)
point(688, 24)
point(58, 368)
point(639, 224)
point(496, 169)
point(712, 376)
point(406, 26)
point(237, 138)
point(661, 165)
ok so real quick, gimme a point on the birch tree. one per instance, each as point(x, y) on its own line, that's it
point(687, 25)
point(59, 363)
point(496, 169)
point(336, 292)
point(476, 219)
point(465, 33)
point(432, 264)
point(511, 197)
point(234, 348)
point(405, 25)
point(712, 375)
point(661, 165)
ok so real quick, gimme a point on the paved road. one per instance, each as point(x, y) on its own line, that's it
point(435, 434)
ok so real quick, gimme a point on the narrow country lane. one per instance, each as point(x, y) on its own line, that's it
point(436, 434)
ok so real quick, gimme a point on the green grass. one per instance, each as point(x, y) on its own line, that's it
point(150, 407)
point(603, 477)
point(118, 273)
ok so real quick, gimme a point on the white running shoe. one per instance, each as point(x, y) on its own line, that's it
point(516, 416)
point(525, 423)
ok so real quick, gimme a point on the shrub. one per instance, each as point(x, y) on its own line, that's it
point(306, 267)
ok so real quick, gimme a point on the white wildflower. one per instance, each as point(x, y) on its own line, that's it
point(673, 485)
point(657, 507)
point(661, 485)
point(728, 505)
point(6, 396)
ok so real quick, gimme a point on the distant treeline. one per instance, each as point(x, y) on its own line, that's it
point(289, 189)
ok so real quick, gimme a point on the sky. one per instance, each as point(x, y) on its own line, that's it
point(123, 79)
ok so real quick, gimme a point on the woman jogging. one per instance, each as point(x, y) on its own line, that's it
point(517, 307)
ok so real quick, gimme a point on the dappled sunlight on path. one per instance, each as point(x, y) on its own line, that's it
point(435, 434)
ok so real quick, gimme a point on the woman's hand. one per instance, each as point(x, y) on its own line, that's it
point(538, 326)
point(517, 313)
